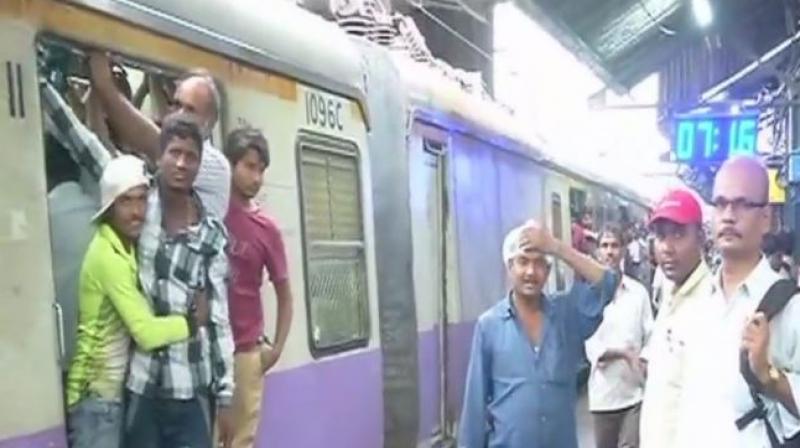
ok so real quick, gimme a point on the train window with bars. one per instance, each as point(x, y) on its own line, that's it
point(335, 259)
point(558, 232)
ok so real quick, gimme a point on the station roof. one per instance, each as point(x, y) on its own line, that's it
point(624, 41)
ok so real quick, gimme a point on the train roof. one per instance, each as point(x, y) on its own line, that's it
point(287, 39)
point(440, 99)
point(281, 37)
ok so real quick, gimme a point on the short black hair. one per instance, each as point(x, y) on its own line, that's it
point(243, 139)
point(615, 231)
point(181, 125)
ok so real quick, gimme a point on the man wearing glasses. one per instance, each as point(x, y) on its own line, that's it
point(719, 394)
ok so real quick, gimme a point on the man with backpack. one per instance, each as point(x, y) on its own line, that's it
point(745, 370)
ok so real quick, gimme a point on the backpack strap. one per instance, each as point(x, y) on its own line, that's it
point(775, 300)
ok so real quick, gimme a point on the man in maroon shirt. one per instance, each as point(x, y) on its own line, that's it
point(255, 244)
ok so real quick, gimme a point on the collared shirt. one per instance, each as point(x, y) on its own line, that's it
point(678, 321)
point(112, 310)
point(627, 321)
point(195, 258)
point(71, 230)
point(213, 182)
point(256, 243)
point(519, 395)
point(172, 269)
point(718, 393)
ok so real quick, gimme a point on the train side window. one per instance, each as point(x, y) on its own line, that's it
point(558, 232)
point(334, 246)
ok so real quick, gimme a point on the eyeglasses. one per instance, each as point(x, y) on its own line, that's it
point(737, 205)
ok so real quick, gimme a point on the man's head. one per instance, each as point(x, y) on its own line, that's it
point(181, 151)
point(741, 216)
point(197, 93)
point(611, 247)
point(123, 189)
point(677, 223)
point(586, 219)
point(528, 269)
point(248, 153)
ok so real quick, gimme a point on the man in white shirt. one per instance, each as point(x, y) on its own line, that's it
point(677, 224)
point(719, 393)
point(196, 93)
point(616, 379)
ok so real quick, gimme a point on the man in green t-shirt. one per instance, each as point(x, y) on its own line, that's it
point(113, 310)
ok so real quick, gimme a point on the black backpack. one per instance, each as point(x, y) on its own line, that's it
point(771, 304)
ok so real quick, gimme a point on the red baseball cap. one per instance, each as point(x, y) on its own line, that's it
point(678, 206)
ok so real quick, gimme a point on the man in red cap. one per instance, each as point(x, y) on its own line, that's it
point(677, 223)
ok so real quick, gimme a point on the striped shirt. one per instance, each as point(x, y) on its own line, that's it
point(170, 274)
point(213, 182)
point(171, 270)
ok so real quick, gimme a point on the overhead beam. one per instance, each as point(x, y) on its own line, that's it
point(573, 43)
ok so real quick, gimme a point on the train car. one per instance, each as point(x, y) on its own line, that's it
point(392, 186)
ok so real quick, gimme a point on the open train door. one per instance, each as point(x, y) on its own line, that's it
point(429, 204)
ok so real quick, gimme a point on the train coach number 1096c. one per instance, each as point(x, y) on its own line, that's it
point(323, 112)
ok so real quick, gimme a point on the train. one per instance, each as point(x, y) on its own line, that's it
point(392, 185)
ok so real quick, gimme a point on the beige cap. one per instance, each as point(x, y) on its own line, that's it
point(119, 176)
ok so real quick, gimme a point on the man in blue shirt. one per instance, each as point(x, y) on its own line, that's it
point(521, 389)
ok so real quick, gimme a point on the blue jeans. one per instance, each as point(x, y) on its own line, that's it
point(152, 422)
point(95, 423)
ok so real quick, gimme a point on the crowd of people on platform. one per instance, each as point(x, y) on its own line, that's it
point(690, 344)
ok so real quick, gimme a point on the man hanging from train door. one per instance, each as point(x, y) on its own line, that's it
point(181, 254)
point(520, 390)
point(182, 251)
point(114, 311)
point(256, 244)
point(677, 224)
point(196, 93)
point(616, 382)
point(721, 398)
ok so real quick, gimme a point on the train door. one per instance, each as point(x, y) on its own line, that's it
point(556, 202)
point(428, 204)
point(31, 411)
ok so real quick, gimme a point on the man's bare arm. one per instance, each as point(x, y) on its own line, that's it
point(132, 127)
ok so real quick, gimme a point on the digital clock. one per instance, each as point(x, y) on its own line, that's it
point(708, 139)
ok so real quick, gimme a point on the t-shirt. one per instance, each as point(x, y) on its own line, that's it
point(112, 309)
point(255, 243)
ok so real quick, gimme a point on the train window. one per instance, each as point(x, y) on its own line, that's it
point(336, 271)
point(577, 203)
point(557, 225)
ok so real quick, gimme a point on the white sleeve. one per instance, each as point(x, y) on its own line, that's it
point(785, 351)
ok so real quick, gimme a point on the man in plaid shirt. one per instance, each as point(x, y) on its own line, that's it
point(181, 253)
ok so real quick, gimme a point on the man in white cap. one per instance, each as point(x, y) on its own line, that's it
point(520, 390)
point(113, 310)
point(181, 253)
